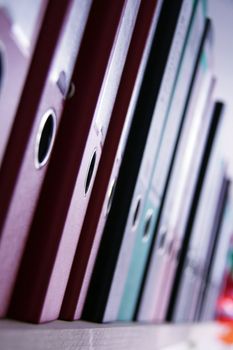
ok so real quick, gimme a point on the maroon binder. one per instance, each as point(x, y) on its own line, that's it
point(103, 188)
point(49, 252)
point(25, 163)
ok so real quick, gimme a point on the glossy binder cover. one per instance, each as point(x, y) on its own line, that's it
point(170, 137)
point(209, 249)
point(113, 231)
point(191, 281)
point(18, 35)
point(104, 183)
point(217, 270)
point(66, 188)
point(16, 199)
point(216, 114)
point(161, 263)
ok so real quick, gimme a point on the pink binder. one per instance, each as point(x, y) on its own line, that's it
point(50, 249)
point(33, 134)
point(103, 188)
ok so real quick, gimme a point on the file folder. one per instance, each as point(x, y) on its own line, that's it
point(105, 180)
point(112, 236)
point(216, 110)
point(35, 126)
point(208, 251)
point(161, 263)
point(142, 233)
point(73, 163)
point(191, 280)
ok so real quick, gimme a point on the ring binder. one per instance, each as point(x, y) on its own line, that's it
point(112, 236)
point(33, 134)
point(105, 182)
point(82, 130)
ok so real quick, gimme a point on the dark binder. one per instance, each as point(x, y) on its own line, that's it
point(185, 96)
point(107, 172)
point(162, 262)
point(112, 235)
point(51, 246)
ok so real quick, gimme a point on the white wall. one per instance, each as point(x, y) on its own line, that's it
point(221, 11)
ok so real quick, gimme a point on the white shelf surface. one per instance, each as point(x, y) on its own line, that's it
point(89, 336)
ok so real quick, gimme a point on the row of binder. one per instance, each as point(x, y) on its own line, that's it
point(113, 190)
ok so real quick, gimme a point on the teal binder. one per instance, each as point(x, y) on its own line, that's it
point(150, 210)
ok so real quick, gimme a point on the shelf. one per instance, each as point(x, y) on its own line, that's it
point(83, 335)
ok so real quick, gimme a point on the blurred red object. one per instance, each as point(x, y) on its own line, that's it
point(224, 307)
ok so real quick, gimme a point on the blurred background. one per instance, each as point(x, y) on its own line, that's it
point(221, 11)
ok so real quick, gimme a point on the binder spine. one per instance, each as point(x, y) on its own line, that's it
point(13, 234)
point(176, 230)
point(216, 114)
point(39, 142)
point(101, 280)
point(108, 169)
point(50, 276)
point(208, 252)
point(95, 140)
point(101, 118)
point(149, 154)
point(162, 261)
point(150, 211)
point(191, 276)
